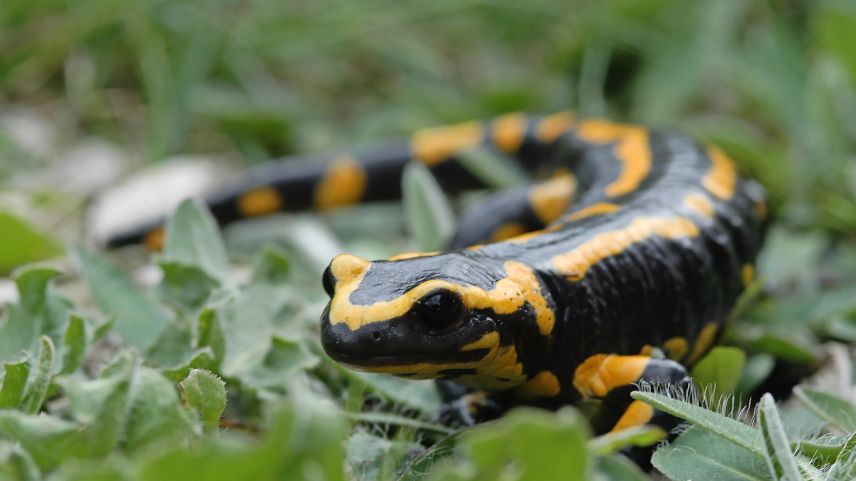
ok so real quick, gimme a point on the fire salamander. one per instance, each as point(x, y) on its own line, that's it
point(618, 267)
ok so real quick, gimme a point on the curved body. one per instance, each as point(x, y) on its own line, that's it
point(640, 243)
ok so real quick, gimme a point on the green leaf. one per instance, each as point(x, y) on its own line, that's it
point(825, 449)
point(155, 415)
point(700, 454)
point(838, 412)
point(421, 395)
point(720, 370)
point(137, 318)
point(206, 394)
point(14, 383)
point(74, 344)
point(757, 370)
point(429, 215)
point(17, 464)
point(390, 419)
point(101, 404)
point(37, 388)
point(730, 429)
point(185, 286)
point(376, 458)
point(780, 461)
point(48, 440)
point(38, 312)
point(542, 445)
point(492, 169)
point(618, 468)
point(271, 266)
point(192, 238)
point(640, 436)
point(22, 244)
point(845, 465)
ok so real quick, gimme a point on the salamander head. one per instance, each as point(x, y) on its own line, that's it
point(438, 316)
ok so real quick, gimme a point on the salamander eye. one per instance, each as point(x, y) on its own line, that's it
point(439, 309)
point(329, 281)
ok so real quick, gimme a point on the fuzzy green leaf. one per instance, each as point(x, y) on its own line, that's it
point(618, 468)
point(206, 394)
point(192, 238)
point(700, 454)
point(74, 344)
point(48, 440)
point(845, 465)
point(730, 429)
point(155, 414)
point(429, 215)
point(137, 318)
point(492, 169)
point(42, 372)
point(777, 452)
point(838, 412)
point(14, 383)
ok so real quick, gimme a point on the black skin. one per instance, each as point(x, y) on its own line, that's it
point(644, 294)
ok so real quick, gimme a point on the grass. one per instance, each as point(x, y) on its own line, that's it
point(104, 379)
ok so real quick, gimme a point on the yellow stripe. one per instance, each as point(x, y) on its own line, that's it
point(259, 201)
point(601, 373)
point(676, 348)
point(700, 204)
point(703, 342)
point(507, 231)
point(154, 240)
point(632, 151)
point(553, 126)
point(519, 287)
point(508, 131)
point(637, 414)
point(544, 384)
point(721, 179)
point(747, 274)
point(575, 264)
point(551, 199)
point(344, 183)
point(436, 145)
point(594, 209)
point(412, 255)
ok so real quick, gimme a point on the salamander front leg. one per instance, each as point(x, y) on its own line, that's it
point(515, 211)
point(611, 378)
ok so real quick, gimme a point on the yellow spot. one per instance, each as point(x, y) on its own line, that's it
point(721, 179)
point(435, 145)
point(544, 384)
point(508, 131)
point(553, 126)
point(632, 150)
point(475, 247)
point(348, 268)
point(601, 373)
point(676, 348)
point(575, 264)
point(499, 369)
point(747, 273)
point(646, 350)
point(412, 255)
point(507, 231)
point(485, 342)
point(518, 287)
point(154, 240)
point(259, 201)
point(760, 209)
point(700, 204)
point(703, 342)
point(344, 183)
point(551, 199)
point(637, 414)
point(593, 210)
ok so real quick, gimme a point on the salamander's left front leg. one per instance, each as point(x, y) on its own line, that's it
point(611, 378)
point(466, 407)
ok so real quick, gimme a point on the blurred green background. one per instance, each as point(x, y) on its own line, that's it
point(93, 91)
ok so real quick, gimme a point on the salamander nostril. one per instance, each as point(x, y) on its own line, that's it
point(439, 309)
point(376, 335)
